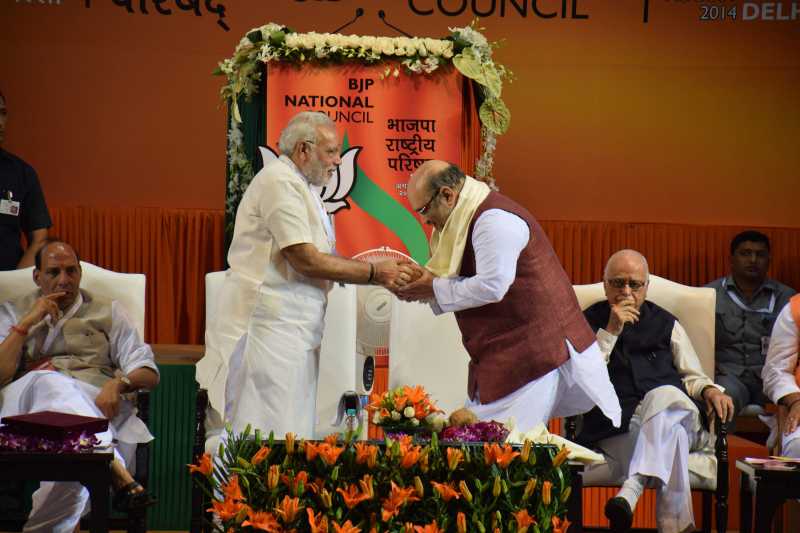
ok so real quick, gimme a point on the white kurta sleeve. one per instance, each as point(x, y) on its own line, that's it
point(285, 213)
point(685, 359)
point(606, 341)
point(781, 361)
point(498, 238)
point(128, 351)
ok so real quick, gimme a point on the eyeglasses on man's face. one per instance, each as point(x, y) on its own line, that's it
point(425, 208)
point(620, 283)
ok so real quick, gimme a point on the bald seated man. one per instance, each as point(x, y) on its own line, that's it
point(532, 354)
point(664, 395)
point(68, 350)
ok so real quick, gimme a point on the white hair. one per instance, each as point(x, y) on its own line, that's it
point(302, 127)
point(629, 253)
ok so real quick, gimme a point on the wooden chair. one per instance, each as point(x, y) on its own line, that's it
point(129, 290)
point(695, 309)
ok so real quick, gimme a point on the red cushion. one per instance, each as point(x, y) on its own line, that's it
point(53, 424)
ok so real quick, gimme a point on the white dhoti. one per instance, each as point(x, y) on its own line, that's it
point(790, 444)
point(573, 388)
point(663, 430)
point(235, 301)
point(272, 382)
point(58, 506)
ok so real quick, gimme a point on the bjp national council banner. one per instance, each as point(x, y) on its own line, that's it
point(390, 123)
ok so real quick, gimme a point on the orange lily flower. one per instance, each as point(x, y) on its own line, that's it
point(446, 490)
point(288, 509)
point(226, 510)
point(430, 528)
point(203, 466)
point(365, 453)
point(312, 450)
point(352, 496)
point(546, 487)
point(505, 456)
point(318, 523)
point(375, 401)
point(330, 453)
point(454, 457)
point(317, 485)
point(561, 456)
point(294, 483)
point(262, 520)
point(397, 498)
point(410, 456)
point(461, 523)
point(524, 520)
point(260, 455)
point(273, 475)
point(490, 452)
point(331, 439)
point(347, 527)
point(366, 486)
point(415, 394)
point(560, 526)
point(232, 490)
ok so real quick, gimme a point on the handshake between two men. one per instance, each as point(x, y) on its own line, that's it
point(406, 279)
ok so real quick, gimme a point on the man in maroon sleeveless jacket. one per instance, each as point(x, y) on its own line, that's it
point(532, 354)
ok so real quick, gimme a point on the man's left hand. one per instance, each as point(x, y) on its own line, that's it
point(108, 401)
point(419, 289)
point(721, 403)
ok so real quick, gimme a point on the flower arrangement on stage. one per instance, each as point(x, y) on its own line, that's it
point(465, 48)
point(405, 409)
point(392, 486)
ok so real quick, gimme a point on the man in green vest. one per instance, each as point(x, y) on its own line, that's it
point(65, 349)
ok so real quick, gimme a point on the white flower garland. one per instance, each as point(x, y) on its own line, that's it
point(466, 48)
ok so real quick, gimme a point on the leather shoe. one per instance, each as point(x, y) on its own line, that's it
point(619, 514)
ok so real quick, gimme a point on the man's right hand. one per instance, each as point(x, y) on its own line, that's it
point(46, 305)
point(392, 274)
point(622, 312)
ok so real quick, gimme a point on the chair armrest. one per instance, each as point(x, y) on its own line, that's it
point(721, 452)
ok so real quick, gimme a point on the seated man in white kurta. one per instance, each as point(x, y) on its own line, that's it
point(272, 380)
point(64, 349)
point(780, 373)
point(662, 389)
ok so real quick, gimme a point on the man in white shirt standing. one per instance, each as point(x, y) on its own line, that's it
point(780, 373)
point(532, 354)
point(283, 229)
point(67, 350)
point(663, 391)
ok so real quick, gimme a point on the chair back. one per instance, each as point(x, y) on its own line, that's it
point(694, 307)
point(128, 289)
point(428, 350)
point(214, 281)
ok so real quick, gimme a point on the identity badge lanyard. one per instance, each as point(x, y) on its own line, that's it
point(767, 310)
point(764, 310)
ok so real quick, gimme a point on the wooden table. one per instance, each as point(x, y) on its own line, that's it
point(91, 469)
point(769, 488)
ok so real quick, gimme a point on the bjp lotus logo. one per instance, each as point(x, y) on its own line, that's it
point(334, 194)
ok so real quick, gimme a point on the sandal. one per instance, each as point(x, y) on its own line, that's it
point(126, 500)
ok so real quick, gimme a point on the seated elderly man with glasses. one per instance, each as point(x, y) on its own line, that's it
point(662, 390)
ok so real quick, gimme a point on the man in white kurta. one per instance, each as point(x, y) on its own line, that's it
point(498, 238)
point(67, 350)
point(272, 380)
point(656, 374)
point(780, 373)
